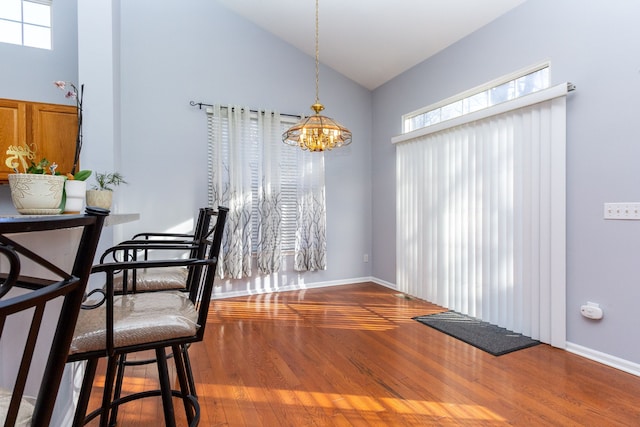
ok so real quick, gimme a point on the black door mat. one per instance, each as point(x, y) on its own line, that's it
point(485, 336)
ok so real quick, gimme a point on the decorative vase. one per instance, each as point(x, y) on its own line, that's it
point(36, 194)
point(75, 194)
point(99, 198)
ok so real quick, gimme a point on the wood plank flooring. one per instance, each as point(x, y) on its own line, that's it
point(352, 356)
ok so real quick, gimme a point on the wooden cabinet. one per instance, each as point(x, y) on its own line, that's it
point(50, 130)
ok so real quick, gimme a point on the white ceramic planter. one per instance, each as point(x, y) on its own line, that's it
point(75, 194)
point(35, 194)
point(99, 198)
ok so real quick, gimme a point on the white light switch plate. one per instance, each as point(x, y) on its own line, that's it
point(629, 210)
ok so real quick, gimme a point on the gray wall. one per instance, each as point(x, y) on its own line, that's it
point(595, 46)
point(28, 73)
point(206, 53)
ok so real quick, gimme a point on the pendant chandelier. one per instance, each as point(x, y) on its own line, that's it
point(316, 132)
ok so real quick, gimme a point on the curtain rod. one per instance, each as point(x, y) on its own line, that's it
point(202, 104)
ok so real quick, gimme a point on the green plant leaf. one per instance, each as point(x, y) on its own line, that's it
point(82, 175)
point(106, 181)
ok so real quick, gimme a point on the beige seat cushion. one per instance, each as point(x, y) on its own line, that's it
point(24, 413)
point(138, 319)
point(155, 279)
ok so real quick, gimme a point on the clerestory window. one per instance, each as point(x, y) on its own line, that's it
point(505, 89)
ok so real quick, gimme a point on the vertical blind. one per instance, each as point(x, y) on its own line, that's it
point(481, 215)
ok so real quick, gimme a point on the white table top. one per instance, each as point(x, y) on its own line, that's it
point(112, 219)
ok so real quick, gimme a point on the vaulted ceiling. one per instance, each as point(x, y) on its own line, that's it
point(372, 41)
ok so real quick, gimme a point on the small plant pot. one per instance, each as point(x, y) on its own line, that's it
point(35, 194)
point(75, 192)
point(99, 198)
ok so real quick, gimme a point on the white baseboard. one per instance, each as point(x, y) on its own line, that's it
point(220, 294)
point(383, 283)
point(605, 359)
point(291, 287)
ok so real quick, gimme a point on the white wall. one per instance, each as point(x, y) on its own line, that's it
point(593, 45)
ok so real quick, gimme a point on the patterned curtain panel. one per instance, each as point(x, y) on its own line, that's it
point(311, 222)
point(269, 209)
point(275, 194)
point(231, 186)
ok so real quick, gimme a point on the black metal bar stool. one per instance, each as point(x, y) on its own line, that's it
point(39, 304)
point(134, 322)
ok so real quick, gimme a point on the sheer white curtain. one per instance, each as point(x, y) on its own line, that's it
point(311, 221)
point(243, 161)
point(481, 215)
point(270, 193)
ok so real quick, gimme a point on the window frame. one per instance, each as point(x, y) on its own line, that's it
point(24, 36)
point(468, 95)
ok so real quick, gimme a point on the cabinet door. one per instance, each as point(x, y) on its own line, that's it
point(50, 130)
point(54, 131)
point(13, 130)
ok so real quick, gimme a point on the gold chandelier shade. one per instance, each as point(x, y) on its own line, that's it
point(316, 132)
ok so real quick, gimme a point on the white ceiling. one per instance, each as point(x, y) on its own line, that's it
point(372, 41)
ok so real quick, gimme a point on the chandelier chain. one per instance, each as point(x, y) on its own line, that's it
point(317, 56)
point(316, 132)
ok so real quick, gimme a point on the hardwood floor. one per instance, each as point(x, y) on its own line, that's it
point(352, 356)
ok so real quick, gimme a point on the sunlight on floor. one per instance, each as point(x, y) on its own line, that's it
point(327, 401)
point(457, 411)
point(373, 317)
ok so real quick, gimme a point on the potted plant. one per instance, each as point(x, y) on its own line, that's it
point(101, 193)
point(75, 190)
point(36, 192)
point(40, 189)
